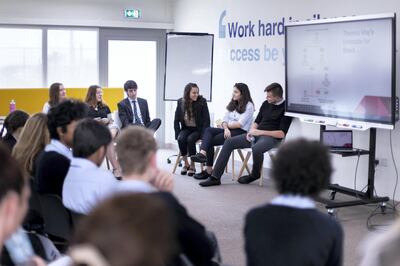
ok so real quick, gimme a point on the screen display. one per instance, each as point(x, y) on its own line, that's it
point(341, 69)
point(338, 139)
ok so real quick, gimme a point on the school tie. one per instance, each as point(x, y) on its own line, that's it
point(135, 115)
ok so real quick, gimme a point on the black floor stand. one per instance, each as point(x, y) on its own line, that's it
point(363, 198)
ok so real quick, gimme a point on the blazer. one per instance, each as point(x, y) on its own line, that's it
point(125, 112)
point(201, 116)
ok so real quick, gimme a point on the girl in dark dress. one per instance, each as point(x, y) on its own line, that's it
point(99, 111)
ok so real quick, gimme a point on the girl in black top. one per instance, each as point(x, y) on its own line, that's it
point(99, 111)
point(191, 120)
point(13, 125)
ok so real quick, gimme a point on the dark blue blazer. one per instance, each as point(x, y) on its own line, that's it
point(125, 112)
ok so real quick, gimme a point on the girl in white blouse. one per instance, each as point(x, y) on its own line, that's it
point(237, 121)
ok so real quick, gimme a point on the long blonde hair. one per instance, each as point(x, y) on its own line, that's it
point(34, 137)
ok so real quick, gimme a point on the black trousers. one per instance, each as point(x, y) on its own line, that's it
point(214, 137)
point(187, 141)
point(154, 124)
point(261, 145)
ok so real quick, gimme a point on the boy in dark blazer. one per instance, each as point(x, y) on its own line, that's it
point(135, 111)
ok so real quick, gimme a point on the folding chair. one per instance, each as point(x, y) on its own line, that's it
point(245, 161)
point(179, 158)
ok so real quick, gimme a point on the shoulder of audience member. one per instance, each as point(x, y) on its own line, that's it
point(54, 157)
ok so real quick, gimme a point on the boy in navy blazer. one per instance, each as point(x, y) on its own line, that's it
point(135, 111)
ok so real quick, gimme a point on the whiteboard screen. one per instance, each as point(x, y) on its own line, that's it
point(189, 58)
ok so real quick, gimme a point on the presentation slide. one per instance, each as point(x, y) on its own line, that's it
point(341, 69)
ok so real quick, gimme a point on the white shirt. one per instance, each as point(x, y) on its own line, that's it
point(57, 146)
point(86, 185)
point(294, 201)
point(245, 119)
point(46, 107)
point(137, 186)
point(137, 109)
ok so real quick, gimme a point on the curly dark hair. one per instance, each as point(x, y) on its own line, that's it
point(301, 167)
point(13, 121)
point(187, 103)
point(240, 106)
point(63, 114)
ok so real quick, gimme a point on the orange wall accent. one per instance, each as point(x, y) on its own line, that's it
point(31, 100)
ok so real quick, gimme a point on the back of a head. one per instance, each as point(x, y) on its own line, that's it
point(11, 178)
point(135, 145)
point(63, 114)
point(89, 136)
point(301, 167)
point(129, 229)
point(14, 120)
point(33, 139)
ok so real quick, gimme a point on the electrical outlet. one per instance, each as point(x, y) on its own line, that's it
point(383, 162)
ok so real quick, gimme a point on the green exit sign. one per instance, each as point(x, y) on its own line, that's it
point(133, 13)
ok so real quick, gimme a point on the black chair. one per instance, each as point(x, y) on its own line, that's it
point(57, 220)
point(76, 217)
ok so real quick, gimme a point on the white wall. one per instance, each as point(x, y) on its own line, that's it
point(203, 16)
point(106, 13)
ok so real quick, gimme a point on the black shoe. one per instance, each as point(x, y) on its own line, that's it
point(191, 172)
point(184, 170)
point(211, 181)
point(199, 158)
point(202, 175)
point(246, 179)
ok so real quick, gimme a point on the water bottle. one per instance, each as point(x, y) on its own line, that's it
point(252, 140)
point(13, 106)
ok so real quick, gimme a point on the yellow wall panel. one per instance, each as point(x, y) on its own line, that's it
point(31, 100)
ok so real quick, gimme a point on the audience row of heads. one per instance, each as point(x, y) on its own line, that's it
point(148, 236)
point(300, 167)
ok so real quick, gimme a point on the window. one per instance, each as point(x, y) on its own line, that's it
point(21, 58)
point(72, 57)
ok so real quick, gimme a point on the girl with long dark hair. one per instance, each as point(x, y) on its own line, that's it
point(57, 94)
point(237, 121)
point(191, 120)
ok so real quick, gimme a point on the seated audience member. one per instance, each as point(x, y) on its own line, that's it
point(290, 230)
point(135, 111)
point(99, 111)
point(57, 94)
point(86, 183)
point(54, 161)
point(130, 229)
point(191, 120)
point(382, 249)
point(269, 128)
point(136, 153)
point(34, 137)
point(237, 121)
point(13, 124)
point(14, 195)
